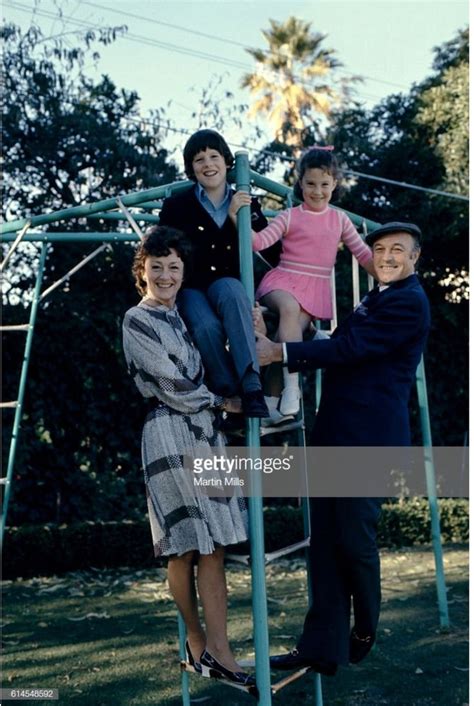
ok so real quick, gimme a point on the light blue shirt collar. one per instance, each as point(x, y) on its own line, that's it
point(218, 213)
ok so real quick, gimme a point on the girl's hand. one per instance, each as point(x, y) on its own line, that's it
point(233, 405)
point(241, 198)
point(258, 320)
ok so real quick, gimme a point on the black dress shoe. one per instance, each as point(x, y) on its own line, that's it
point(359, 647)
point(294, 660)
point(254, 405)
point(212, 668)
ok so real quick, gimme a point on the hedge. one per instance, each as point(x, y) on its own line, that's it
point(42, 550)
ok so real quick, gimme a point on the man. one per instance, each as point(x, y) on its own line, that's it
point(213, 303)
point(370, 363)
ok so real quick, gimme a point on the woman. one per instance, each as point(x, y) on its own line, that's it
point(187, 528)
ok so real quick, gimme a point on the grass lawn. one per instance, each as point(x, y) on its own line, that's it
point(109, 638)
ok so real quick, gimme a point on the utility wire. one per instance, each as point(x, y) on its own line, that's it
point(214, 37)
point(448, 194)
point(50, 15)
point(285, 158)
point(140, 39)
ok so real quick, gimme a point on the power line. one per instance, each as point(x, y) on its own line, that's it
point(166, 24)
point(285, 158)
point(214, 37)
point(133, 37)
point(409, 186)
point(140, 39)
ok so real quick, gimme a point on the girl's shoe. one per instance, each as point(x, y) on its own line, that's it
point(212, 668)
point(276, 418)
point(191, 660)
point(289, 400)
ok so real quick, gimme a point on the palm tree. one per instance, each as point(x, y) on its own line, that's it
point(291, 83)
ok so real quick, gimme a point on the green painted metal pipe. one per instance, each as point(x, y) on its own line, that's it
point(259, 597)
point(105, 237)
point(432, 495)
point(146, 217)
point(21, 388)
point(281, 190)
point(154, 204)
point(133, 199)
point(182, 654)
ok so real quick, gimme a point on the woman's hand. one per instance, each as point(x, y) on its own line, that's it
point(241, 198)
point(233, 405)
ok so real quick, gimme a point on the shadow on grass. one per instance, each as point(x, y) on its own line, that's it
point(110, 638)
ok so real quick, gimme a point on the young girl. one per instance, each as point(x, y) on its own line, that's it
point(299, 287)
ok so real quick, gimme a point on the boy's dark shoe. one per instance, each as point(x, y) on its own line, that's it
point(254, 405)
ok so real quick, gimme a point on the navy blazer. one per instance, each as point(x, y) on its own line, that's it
point(216, 250)
point(371, 361)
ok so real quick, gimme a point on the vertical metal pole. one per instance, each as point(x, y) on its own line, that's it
point(182, 654)
point(355, 282)
point(318, 691)
point(21, 389)
point(432, 498)
point(259, 596)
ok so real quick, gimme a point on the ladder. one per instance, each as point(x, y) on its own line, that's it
point(146, 199)
point(28, 328)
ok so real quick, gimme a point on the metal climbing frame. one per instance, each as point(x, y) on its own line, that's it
point(150, 199)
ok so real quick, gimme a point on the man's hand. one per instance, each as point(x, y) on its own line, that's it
point(268, 351)
point(258, 320)
point(241, 198)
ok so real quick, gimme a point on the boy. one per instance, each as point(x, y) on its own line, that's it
point(213, 303)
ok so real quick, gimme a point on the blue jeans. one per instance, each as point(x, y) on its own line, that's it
point(223, 313)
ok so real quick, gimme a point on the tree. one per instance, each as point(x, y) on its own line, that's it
point(66, 139)
point(69, 140)
point(293, 83)
point(421, 138)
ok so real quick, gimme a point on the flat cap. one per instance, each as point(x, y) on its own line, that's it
point(393, 227)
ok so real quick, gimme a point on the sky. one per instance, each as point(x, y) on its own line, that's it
point(388, 43)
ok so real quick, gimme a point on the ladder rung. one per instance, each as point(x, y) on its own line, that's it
point(186, 667)
point(279, 428)
point(291, 678)
point(270, 556)
point(11, 405)
point(17, 327)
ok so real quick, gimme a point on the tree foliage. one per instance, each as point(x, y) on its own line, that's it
point(66, 138)
point(69, 140)
point(422, 139)
point(294, 83)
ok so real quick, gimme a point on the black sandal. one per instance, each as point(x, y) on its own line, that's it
point(196, 665)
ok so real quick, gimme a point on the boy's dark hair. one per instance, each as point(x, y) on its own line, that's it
point(158, 242)
point(200, 141)
point(315, 158)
